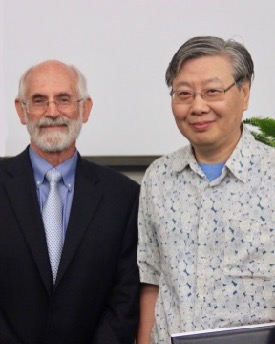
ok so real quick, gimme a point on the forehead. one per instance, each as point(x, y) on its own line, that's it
point(205, 68)
point(51, 79)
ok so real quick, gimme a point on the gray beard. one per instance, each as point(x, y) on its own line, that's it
point(55, 140)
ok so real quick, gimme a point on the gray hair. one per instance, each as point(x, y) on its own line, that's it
point(242, 64)
point(81, 86)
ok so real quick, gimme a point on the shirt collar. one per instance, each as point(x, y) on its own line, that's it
point(238, 162)
point(40, 166)
point(183, 158)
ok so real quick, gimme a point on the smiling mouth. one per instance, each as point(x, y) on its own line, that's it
point(201, 126)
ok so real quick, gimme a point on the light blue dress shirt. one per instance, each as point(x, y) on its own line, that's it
point(66, 186)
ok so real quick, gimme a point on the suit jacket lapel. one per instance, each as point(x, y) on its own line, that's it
point(86, 200)
point(20, 187)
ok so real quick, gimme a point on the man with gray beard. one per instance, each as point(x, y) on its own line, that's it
point(68, 235)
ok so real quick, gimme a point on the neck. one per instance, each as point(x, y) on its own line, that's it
point(214, 155)
point(55, 158)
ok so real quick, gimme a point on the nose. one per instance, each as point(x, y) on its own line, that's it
point(199, 106)
point(52, 109)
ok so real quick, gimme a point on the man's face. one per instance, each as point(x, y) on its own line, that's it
point(215, 125)
point(53, 130)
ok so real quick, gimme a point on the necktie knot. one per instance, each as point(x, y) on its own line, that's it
point(53, 176)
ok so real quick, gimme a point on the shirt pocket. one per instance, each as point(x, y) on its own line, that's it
point(249, 250)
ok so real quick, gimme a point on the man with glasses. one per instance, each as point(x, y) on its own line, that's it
point(206, 219)
point(68, 233)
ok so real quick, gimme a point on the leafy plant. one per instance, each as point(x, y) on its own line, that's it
point(265, 129)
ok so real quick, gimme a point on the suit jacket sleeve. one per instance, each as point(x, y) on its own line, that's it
point(119, 322)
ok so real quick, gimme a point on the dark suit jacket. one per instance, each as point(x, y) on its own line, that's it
point(95, 298)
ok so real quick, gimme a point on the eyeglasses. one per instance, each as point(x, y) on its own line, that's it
point(209, 94)
point(39, 105)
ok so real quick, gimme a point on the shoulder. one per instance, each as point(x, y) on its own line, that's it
point(259, 150)
point(17, 164)
point(168, 165)
point(257, 157)
point(266, 155)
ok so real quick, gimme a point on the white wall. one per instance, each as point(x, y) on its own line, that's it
point(124, 47)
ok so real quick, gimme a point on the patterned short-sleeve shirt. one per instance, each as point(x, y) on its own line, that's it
point(209, 246)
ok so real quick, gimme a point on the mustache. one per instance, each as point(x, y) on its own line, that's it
point(52, 122)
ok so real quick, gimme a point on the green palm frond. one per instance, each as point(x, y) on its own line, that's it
point(266, 129)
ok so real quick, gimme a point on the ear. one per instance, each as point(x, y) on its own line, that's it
point(20, 110)
point(87, 107)
point(246, 93)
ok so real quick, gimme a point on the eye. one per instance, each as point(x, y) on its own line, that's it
point(64, 99)
point(37, 101)
point(213, 92)
point(184, 94)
